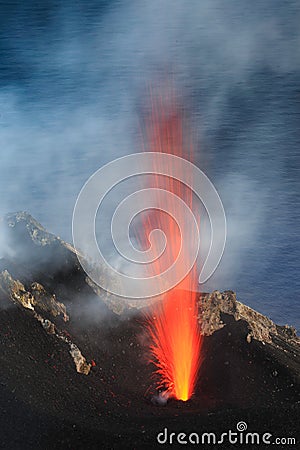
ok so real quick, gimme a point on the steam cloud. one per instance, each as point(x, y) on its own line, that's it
point(71, 95)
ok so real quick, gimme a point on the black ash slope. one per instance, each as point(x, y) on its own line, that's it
point(46, 404)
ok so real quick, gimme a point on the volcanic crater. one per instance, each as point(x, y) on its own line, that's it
point(75, 369)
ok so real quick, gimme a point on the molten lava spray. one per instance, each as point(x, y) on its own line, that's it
point(173, 327)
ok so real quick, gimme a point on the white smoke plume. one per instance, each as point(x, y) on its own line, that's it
point(73, 93)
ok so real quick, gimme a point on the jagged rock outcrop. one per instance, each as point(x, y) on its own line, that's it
point(249, 370)
point(40, 300)
point(34, 298)
point(35, 255)
point(213, 306)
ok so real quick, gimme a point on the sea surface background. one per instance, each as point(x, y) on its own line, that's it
point(73, 83)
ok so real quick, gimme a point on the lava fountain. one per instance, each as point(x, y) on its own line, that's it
point(173, 324)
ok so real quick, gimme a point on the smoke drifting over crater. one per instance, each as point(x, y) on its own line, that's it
point(74, 83)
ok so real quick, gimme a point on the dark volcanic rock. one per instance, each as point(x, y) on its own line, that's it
point(249, 372)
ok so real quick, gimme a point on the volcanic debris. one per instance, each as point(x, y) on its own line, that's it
point(37, 299)
point(250, 367)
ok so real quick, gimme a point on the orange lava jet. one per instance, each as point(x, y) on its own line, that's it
point(176, 343)
point(173, 325)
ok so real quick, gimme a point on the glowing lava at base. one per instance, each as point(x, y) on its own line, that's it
point(173, 327)
point(176, 342)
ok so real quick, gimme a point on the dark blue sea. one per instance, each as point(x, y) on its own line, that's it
point(73, 78)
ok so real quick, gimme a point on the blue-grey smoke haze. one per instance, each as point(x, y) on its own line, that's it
point(73, 76)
